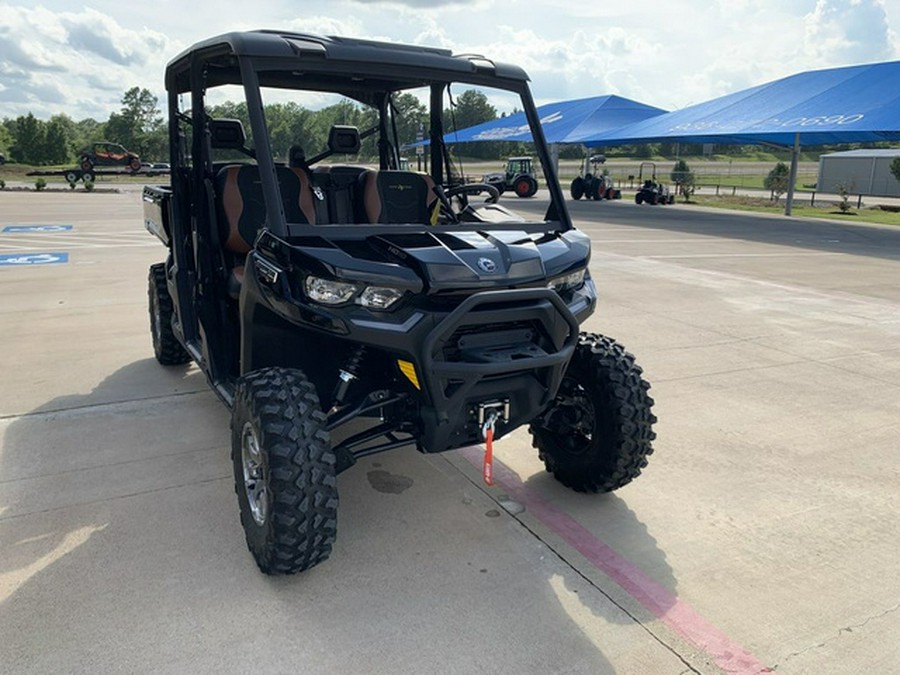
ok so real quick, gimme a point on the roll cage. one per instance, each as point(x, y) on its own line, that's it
point(365, 71)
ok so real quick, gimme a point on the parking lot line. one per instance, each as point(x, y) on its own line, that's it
point(654, 597)
point(786, 254)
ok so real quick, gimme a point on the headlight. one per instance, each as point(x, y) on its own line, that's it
point(379, 297)
point(568, 281)
point(328, 292)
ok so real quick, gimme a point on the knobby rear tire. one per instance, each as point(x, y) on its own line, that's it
point(168, 350)
point(577, 188)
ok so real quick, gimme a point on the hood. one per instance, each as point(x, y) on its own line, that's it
point(482, 259)
point(443, 260)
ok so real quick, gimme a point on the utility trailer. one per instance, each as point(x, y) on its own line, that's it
point(73, 176)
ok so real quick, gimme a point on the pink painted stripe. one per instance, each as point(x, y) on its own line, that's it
point(653, 596)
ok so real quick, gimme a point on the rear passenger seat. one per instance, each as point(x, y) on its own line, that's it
point(354, 194)
point(340, 188)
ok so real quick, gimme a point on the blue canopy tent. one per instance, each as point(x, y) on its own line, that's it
point(855, 104)
point(563, 122)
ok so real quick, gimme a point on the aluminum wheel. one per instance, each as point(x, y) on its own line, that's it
point(254, 475)
point(572, 417)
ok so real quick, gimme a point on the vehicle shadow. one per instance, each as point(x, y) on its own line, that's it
point(610, 540)
point(67, 467)
point(122, 551)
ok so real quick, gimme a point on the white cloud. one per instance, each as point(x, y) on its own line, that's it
point(53, 62)
point(425, 4)
point(851, 31)
point(327, 25)
point(100, 35)
point(668, 53)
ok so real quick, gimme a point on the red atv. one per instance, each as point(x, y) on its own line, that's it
point(104, 153)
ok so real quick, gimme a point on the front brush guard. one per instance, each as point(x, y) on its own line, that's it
point(529, 379)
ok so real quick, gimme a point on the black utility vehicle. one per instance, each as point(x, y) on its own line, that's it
point(650, 191)
point(340, 310)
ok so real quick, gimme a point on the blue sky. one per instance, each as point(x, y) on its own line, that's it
point(80, 58)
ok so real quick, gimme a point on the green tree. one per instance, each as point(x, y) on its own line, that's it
point(58, 140)
point(231, 111)
point(778, 180)
point(895, 168)
point(288, 125)
point(6, 135)
point(85, 132)
point(683, 178)
point(30, 140)
point(155, 145)
point(411, 115)
point(141, 108)
point(472, 107)
point(119, 129)
point(139, 124)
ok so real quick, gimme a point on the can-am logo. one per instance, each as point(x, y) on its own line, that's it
point(487, 265)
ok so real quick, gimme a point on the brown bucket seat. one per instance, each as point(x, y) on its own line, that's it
point(399, 197)
point(242, 209)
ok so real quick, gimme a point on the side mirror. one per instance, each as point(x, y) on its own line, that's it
point(344, 140)
point(227, 134)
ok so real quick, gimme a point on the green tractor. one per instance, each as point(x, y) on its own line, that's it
point(519, 176)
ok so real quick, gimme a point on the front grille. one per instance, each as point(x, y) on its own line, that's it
point(477, 343)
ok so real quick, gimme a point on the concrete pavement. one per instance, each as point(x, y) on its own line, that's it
point(762, 534)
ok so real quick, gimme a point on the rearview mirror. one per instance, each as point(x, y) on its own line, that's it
point(227, 134)
point(343, 140)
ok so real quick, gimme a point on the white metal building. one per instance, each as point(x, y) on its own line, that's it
point(862, 172)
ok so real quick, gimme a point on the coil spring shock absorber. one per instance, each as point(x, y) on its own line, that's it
point(347, 375)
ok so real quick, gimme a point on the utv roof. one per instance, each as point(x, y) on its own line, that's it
point(280, 51)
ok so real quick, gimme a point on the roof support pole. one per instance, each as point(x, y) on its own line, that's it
point(554, 157)
point(795, 160)
point(276, 221)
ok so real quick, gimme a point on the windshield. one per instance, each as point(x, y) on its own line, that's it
point(331, 139)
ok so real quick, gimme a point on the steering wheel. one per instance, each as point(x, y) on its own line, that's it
point(474, 189)
point(448, 214)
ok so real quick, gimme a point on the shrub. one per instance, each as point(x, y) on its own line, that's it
point(40, 184)
point(777, 181)
point(895, 168)
point(844, 191)
point(683, 178)
point(89, 185)
point(2, 183)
